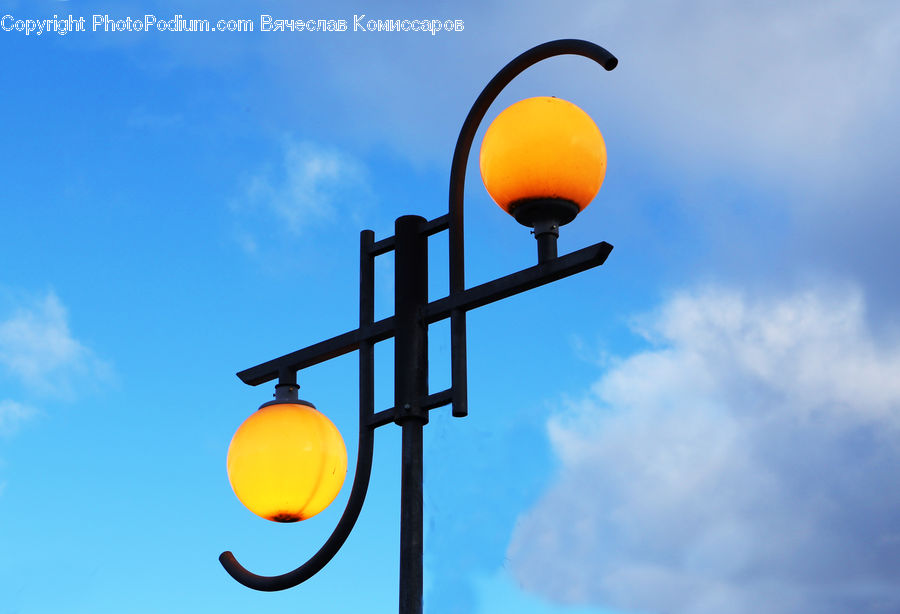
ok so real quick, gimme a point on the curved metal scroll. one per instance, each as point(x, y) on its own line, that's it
point(567, 46)
point(364, 453)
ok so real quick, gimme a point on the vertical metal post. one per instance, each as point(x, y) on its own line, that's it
point(546, 232)
point(458, 376)
point(366, 317)
point(410, 388)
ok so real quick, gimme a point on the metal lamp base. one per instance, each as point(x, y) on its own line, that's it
point(545, 215)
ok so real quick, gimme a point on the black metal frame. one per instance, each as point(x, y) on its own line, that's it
point(409, 327)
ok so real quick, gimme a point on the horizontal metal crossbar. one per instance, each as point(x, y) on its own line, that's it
point(437, 310)
point(432, 227)
point(318, 352)
point(432, 401)
point(523, 280)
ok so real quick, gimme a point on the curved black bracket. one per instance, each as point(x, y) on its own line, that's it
point(566, 46)
point(455, 305)
point(331, 545)
point(364, 454)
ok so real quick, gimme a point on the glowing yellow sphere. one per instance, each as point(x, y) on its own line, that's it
point(287, 462)
point(543, 148)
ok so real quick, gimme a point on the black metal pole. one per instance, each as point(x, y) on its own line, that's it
point(411, 547)
point(410, 389)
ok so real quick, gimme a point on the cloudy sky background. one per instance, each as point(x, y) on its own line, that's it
point(707, 423)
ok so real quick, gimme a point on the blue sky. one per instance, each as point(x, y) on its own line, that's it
point(707, 423)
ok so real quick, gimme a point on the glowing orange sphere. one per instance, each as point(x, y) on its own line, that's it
point(287, 462)
point(543, 148)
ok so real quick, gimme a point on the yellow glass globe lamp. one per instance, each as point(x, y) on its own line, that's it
point(543, 161)
point(287, 461)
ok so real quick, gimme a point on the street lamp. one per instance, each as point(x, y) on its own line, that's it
point(543, 161)
point(561, 161)
point(287, 461)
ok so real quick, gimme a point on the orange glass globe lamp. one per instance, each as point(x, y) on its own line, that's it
point(287, 461)
point(543, 161)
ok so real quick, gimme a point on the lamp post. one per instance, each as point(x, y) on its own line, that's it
point(555, 180)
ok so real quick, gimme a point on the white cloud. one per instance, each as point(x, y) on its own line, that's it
point(13, 414)
point(790, 86)
point(746, 463)
point(38, 349)
point(314, 185)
